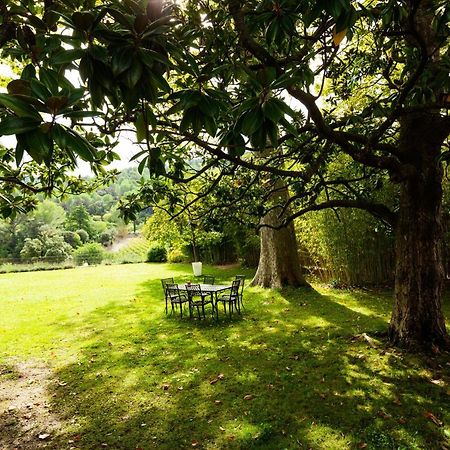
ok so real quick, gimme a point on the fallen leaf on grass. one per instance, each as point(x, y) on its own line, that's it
point(194, 443)
point(397, 401)
point(221, 376)
point(362, 445)
point(384, 415)
point(402, 421)
point(438, 382)
point(214, 381)
point(433, 418)
point(249, 397)
point(166, 387)
point(43, 436)
point(222, 429)
point(218, 402)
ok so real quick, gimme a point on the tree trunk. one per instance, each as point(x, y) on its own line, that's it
point(279, 264)
point(417, 319)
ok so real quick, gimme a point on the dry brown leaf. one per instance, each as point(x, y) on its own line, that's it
point(433, 418)
point(222, 429)
point(402, 421)
point(338, 37)
point(362, 445)
point(397, 401)
point(166, 386)
point(194, 443)
point(43, 436)
point(221, 376)
point(249, 397)
point(438, 382)
point(384, 415)
point(214, 381)
point(218, 402)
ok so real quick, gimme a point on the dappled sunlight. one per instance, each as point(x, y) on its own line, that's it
point(291, 370)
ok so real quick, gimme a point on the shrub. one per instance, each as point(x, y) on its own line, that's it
point(84, 235)
point(157, 253)
point(176, 256)
point(72, 238)
point(91, 253)
point(106, 237)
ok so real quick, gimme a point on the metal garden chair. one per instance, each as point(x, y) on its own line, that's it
point(231, 299)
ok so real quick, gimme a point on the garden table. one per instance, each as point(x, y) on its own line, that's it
point(208, 288)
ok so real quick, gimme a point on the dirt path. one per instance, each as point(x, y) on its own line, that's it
point(26, 419)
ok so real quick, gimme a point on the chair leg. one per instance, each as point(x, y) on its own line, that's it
point(181, 310)
point(203, 310)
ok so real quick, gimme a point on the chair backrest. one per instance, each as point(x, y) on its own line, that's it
point(235, 287)
point(193, 289)
point(172, 289)
point(166, 281)
point(242, 278)
point(208, 279)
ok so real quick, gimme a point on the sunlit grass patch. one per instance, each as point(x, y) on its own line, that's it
point(292, 372)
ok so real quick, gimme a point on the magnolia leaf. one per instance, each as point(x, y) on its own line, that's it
point(17, 125)
point(19, 107)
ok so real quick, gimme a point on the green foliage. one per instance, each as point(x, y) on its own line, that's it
point(159, 228)
point(72, 238)
point(49, 245)
point(91, 253)
point(176, 255)
point(157, 253)
point(83, 234)
point(349, 248)
point(79, 219)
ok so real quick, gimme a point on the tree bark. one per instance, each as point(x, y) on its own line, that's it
point(279, 264)
point(417, 319)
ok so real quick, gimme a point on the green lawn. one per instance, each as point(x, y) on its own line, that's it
point(295, 371)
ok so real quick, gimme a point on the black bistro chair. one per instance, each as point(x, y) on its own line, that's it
point(164, 283)
point(175, 297)
point(198, 299)
point(208, 279)
point(231, 299)
point(241, 289)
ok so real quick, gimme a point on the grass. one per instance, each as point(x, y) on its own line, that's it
point(296, 371)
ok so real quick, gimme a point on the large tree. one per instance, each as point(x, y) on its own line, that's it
point(370, 81)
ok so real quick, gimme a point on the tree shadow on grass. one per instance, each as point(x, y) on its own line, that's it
point(288, 373)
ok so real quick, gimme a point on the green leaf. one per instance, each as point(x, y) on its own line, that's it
point(121, 60)
point(40, 90)
point(187, 119)
point(272, 110)
point(38, 145)
point(69, 139)
point(251, 121)
point(68, 56)
point(133, 74)
point(141, 127)
point(19, 107)
point(50, 79)
point(17, 125)
point(148, 57)
point(19, 153)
